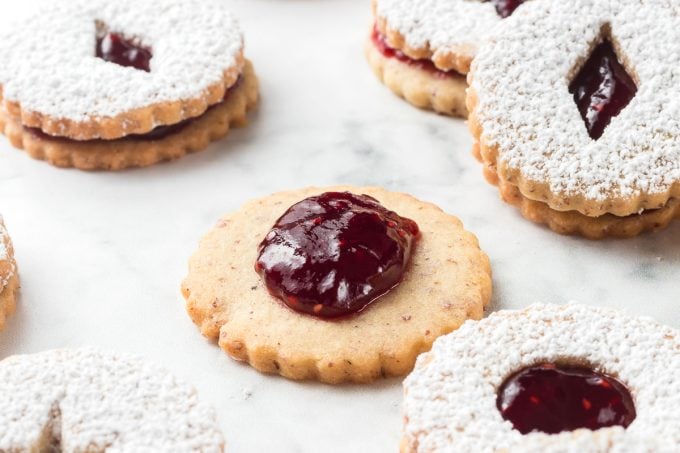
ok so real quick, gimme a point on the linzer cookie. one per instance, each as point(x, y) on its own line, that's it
point(422, 49)
point(584, 138)
point(96, 84)
point(546, 379)
point(85, 400)
point(9, 279)
point(342, 284)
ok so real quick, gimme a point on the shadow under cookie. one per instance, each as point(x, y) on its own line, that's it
point(140, 151)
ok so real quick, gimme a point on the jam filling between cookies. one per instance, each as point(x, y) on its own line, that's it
point(602, 89)
point(380, 43)
point(333, 254)
point(115, 48)
point(555, 398)
point(158, 133)
point(505, 8)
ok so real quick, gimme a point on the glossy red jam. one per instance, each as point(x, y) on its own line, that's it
point(602, 89)
point(424, 64)
point(116, 49)
point(333, 254)
point(554, 398)
point(505, 8)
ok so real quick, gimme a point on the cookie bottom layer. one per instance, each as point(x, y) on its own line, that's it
point(421, 88)
point(575, 223)
point(8, 299)
point(447, 282)
point(134, 152)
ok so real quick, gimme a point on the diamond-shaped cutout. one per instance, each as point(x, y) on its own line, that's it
point(602, 89)
point(505, 8)
point(116, 48)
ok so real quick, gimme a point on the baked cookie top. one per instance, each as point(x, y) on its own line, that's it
point(85, 400)
point(524, 88)
point(52, 79)
point(448, 32)
point(447, 281)
point(451, 400)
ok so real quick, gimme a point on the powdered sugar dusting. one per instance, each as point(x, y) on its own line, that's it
point(521, 78)
point(49, 63)
point(94, 401)
point(442, 25)
point(450, 398)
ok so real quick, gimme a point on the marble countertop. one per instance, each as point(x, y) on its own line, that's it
point(102, 255)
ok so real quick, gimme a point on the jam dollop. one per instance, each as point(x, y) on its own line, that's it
point(602, 89)
point(426, 65)
point(554, 398)
point(333, 254)
point(115, 48)
point(505, 8)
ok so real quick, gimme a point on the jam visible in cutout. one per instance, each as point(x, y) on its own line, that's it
point(602, 89)
point(505, 8)
point(424, 64)
point(333, 254)
point(116, 49)
point(553, 398)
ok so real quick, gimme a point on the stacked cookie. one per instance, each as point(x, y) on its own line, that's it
point(582, 138)
point(423, 50)
point(568, 109)
point(9, 278)
point(123, 86)
point(547, 379)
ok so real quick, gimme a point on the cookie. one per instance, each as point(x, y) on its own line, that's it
point(9, 278)
point(86, 400)
point(126, 84)
point(138, 151)
point(575, 223)
point(417, 81)
point(586, 130)
point(547, 378)
point(422, 49)
point(335, 321)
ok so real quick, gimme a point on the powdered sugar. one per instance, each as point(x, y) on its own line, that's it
point(94, 401)
point(49, 63)
point(521, 78)
point(441, 25)
point(450, 398)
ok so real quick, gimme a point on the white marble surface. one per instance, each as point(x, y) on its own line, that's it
point(102, 255)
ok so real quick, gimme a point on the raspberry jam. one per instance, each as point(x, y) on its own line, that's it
point(333, 254)
point(116, 49)
point(426, 65)
point(602, 89)
point(505, 8)
point(554, 398)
